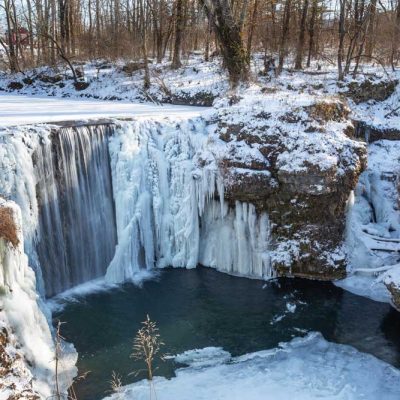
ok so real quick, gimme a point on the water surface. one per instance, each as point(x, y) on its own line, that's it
point(202, 307)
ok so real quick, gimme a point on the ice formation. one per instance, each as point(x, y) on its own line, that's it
point(303, 369)
point(137, 183)
point(171, 212)
point(21, 313)
point(373, 226)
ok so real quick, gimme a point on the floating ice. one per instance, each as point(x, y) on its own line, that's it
point(205, 357)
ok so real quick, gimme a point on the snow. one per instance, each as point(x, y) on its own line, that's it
point(206, 357)
point(107, 81)
point(23, 109)
point(285, 119)
point(304, 369)
point(171, 212)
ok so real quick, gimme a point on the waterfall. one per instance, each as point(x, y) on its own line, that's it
point(63, 185)
point(77, 234)
point(120, 199)
point(170, 209)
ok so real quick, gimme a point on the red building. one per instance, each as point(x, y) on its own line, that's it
point(23, 35)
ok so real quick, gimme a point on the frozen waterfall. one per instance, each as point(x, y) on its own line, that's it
point(171, 212)
point(151, 186)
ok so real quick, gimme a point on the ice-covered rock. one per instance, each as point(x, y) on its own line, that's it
point(373, 233)
point(292, 158)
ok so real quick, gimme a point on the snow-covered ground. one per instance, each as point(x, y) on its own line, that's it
point(24, 109)
point(303, 369)
point(109, 81)
point(199, 82)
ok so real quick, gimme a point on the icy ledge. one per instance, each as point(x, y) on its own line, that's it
point(305, 368)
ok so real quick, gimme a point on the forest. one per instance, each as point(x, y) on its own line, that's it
point(343, 33)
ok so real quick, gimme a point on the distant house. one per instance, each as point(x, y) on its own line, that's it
point(23, 35)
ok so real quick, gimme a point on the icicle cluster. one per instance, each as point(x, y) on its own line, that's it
point(167, 210)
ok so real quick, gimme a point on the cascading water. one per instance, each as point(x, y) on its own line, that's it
point(77, 234)
point(61, 179)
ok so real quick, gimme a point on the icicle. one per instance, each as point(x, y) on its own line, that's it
point(179, 210)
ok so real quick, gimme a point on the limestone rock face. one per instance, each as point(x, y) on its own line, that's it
point(294, 159)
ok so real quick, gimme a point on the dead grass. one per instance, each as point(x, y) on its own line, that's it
point(328, 111)
point(8, 229)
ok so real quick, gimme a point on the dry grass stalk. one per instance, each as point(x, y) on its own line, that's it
point(146, 346)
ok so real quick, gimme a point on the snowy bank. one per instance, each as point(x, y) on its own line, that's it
point(305, 368)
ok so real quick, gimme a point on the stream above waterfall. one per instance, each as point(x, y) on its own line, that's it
point(202, 307)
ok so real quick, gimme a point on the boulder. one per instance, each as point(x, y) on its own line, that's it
point(395, 292)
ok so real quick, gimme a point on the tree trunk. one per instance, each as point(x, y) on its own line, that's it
point(179, 26)
point(284, 34)
point(396, 37)
point(251, 30)
point(229, 36)
point(302, 34)
point(12, 57)
point(311, 32)
point(342, 33)
point(146, 80)
point(369, 46)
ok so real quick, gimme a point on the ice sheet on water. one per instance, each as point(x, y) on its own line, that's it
point(206, 357)
point(303, 369)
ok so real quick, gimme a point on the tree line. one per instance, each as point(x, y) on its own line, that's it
point(297, 33)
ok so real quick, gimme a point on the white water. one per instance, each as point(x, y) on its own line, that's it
point(170, 212)
point(61, 179)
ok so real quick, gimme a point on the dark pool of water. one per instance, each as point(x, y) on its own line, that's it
point(201, 307)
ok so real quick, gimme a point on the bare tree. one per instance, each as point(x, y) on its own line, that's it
point(284, 34)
